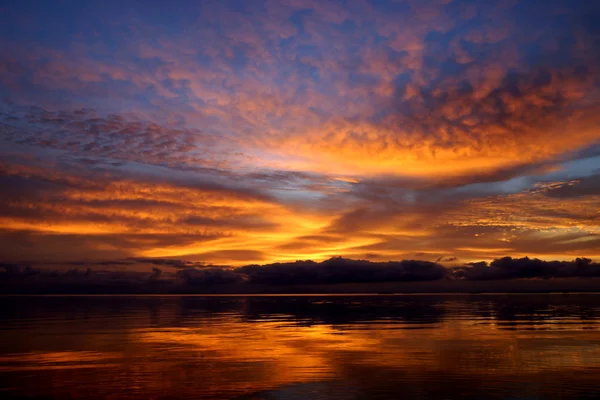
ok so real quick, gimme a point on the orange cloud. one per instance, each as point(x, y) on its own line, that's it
point(305, 130)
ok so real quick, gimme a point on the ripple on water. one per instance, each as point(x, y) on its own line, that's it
point(421, 347)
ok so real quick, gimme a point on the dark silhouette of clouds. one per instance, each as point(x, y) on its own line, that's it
point(178, 276)
point(446, 259)
point(343, 270)
point(519, 268)
point(17, 271)
point(156, 273)
point(210, 276)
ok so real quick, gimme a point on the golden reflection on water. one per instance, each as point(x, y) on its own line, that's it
point(342, 347)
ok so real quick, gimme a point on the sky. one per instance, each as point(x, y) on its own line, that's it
point(241, 132)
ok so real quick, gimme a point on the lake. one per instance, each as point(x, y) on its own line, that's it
point(301, 347)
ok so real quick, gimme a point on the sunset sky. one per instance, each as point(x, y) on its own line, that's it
point(238, 132)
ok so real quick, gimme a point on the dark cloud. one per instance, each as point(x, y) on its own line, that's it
point(19, 272)
point(342, 270)
point(446, 259)
point(526, 268)
point(156, 273)
point(345, 274)
point(12, 271)
point(167, 262)
point(210, 276)
point(588, 186)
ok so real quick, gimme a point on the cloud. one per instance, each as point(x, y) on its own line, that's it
point(115, 137)
point(156, 273)
point(289, 130)
point(210, 276)
point(17, 271)
point(340, 270)
point(588, 186)
point(167, 262)
point(337, 274)
point(510, 268)
point(135, 215)
point(448, 86)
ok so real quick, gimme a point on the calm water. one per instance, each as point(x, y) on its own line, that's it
point(313, 347)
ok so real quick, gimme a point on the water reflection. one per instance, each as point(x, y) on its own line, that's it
point(318, 347)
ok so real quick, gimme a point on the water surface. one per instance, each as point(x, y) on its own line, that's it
point(301, 347)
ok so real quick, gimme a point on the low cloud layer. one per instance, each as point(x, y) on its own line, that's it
point(175, 276)
point(527, 268)
point(341, 270)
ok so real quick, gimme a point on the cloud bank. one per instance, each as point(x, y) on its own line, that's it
point(181, 277)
